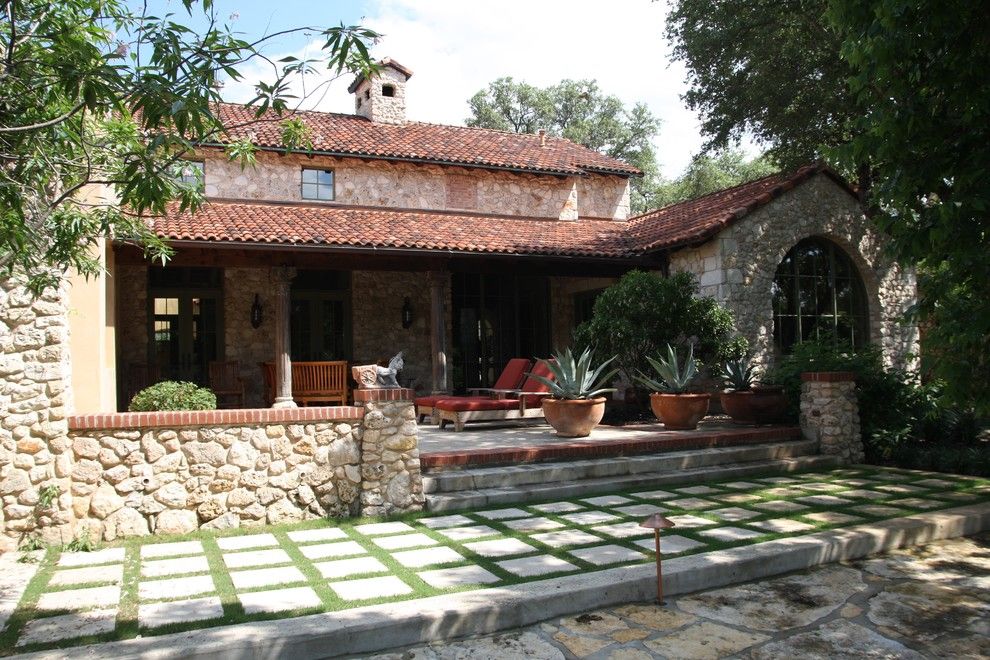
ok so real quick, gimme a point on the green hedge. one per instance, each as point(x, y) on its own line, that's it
point(173, 395)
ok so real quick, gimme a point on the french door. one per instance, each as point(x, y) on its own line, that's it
point(185, 334)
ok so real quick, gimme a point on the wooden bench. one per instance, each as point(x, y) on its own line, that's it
point(313, 382)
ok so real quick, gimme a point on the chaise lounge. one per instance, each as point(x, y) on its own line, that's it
point(509, 380)
point(526, 403)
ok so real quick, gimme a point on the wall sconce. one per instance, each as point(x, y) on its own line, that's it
point(407, 314)
point(257, 313)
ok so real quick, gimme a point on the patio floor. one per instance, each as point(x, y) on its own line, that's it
point(155, 585)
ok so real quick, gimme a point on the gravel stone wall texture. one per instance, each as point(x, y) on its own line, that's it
point(738, 265)
point(830, 415)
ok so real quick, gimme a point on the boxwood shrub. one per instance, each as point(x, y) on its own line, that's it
point(173, 395)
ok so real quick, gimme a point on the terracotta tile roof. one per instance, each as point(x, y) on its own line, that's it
point(353, 135)
point(376, 227)
point(696, 220)
point(278, 223)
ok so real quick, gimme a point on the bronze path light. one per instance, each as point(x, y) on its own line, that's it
point(656, 522)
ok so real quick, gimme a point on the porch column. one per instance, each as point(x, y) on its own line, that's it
point(281, 278)
point(438, 329)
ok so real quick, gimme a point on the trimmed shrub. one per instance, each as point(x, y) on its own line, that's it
point(173, 395)
point(643, 312)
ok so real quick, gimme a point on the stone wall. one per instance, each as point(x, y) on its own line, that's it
point(243, 342)
point(134, 474)
point(562, 291)
point(738, 265)
point(404, 185)
point(830, 414)
point(35, 457)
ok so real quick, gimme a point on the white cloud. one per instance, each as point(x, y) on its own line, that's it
point(456, 48)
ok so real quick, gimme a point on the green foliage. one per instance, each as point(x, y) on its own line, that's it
point(577, 378)
point(644, 312)
point(48, 495)
point(82, 543)
point(579, 111)
point(898, 414)
point(673, 378)
point(707, 174)
point(173, 395)
point(738, 374)
point(920, 67)
point(769, 69)
point(99, 92)
point(32, 542)
point(296, 134)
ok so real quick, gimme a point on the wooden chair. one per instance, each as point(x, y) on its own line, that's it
point(226, 382)
point(319, 382)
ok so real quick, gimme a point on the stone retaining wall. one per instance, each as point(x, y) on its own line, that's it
point(134, 474)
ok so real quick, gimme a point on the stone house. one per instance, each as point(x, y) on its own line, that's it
point(462, 247)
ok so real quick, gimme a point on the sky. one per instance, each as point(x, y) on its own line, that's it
point(455, 48)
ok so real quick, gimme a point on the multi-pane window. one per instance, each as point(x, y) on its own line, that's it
point(317, 184)
point(189, 173)
point(818, 294)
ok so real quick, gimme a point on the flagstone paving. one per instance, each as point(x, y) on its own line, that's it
point(901, 605)
point(155, 585)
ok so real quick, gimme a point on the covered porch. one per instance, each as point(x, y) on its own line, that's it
point(457, 318)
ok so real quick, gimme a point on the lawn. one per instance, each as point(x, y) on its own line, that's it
point(157, 585)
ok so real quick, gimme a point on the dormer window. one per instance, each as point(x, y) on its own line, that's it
point(317, 184)
point(189, 174)
point(388, 90)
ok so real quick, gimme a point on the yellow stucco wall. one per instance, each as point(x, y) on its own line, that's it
point(92, 338)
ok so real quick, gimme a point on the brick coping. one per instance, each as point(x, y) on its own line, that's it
point(661, 441)
point(136, 420)
point(384, 394)
point(827, 376)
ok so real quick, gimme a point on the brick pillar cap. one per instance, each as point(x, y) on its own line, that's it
point(828, 376)
point(384, 394)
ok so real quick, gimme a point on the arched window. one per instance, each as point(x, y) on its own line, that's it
point(817, 293)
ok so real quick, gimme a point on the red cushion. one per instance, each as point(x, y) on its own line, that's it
point(467, 403)
point(430, 400)
point(513, 374)
point(533, 385)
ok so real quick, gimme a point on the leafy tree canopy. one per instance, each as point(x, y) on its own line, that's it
point(919, 72)
point(643, 312)
point(709, 173)
point(579, 111)
point(94, 93)
point(769, 68)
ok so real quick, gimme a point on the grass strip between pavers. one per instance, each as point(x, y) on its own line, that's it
point(815, 483)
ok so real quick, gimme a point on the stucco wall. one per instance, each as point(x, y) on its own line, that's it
point(404, 185)
point(738, 265)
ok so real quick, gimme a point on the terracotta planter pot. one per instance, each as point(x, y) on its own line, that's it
point(738, 406)
point(680, 412)
point(574, 418)
point(768, 404)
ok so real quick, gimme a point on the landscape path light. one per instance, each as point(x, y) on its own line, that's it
point(656, 522)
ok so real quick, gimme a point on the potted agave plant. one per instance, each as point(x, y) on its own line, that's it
point(576, 404)
point(737, 398)
point(673, 405)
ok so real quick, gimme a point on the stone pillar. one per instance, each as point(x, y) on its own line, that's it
point(830, 414)
point(391, 481)
point(438, 330)
point(281, 278)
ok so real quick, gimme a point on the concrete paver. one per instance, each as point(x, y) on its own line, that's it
point(68, 626)
point(379, 587)
point(266, 577)
point(538, 565)
point(670, 544)
point(443, 522)
point(443, 578)
point(104, 556)
point(533, 524)
point(382, 528)
point(154, 615)
point(589, 517)
point(427, 557)
point(159, 550)
point(731, 534)
point(112, 574)
point(79, 599)
point(248, 541)
point(499, 547)
point(602, 555)
point(325, 550)
point(347, 567)
point(314, 535)
point(557, 507)
point(178, 566)
point(565, 537)
point(503, 514)
point(256, 558)
point(279, 600)
point(468, 532)
point(175, 587)
point(404, 541)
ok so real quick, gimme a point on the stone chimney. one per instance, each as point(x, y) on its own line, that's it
point(382, 97)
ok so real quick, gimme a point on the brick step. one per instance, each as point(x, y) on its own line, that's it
point(475, 478)
point(485, 497)
point(574, 450)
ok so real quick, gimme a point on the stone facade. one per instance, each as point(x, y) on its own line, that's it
point(830, 414)
point(276, 177)
point(370, 102)
point(35, 456)
point(390, 466)
point(738, 265)
point(242, 341)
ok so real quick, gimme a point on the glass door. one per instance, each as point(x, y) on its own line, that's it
point(185, 335)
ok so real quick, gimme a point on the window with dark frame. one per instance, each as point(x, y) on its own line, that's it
point(190, 173)
point(317, 184)
point(817, 294)
point(388, 90)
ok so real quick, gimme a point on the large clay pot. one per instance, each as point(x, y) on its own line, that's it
point(768, 404)
point(574, 418)
point(680, 412)
point(738, 406)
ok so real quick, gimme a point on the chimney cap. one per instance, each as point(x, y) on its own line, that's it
point(383, 63)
